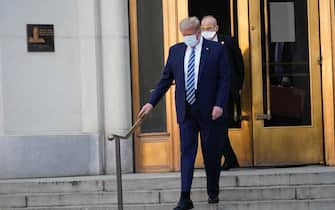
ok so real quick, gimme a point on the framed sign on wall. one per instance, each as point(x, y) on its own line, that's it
point(40, 38)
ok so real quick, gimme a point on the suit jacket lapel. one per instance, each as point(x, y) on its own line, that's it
point(203, 58)
point(180, 63)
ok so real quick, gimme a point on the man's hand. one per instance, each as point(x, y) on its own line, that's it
point(146, 109)
point(217, 112)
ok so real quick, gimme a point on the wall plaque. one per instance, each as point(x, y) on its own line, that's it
point(40, 38)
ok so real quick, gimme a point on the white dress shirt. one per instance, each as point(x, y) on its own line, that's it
point(216, 38)
point(196, 61)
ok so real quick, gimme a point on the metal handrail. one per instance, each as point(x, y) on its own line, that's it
point(130, 131)
point(117, 138)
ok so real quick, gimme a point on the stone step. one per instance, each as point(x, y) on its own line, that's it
point(169, 196)
point(318, 204)
point(241, 178)
point(315, 175)
point(159, 191)
point(56, 185)
point(258, 193)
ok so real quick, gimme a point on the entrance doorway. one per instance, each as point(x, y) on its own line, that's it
point(285, 112)
point(281, 122)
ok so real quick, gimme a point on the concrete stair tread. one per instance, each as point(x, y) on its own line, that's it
point(197, 173)
point(194, 189)
point(315, 204)
point(251, 188)
point(171, 196)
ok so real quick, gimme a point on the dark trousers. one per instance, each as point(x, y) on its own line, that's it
point(212, 143)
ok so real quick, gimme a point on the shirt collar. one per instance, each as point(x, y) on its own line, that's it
point(199, 45)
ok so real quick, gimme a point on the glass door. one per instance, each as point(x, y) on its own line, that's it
point(286, 83)
point(147, 51)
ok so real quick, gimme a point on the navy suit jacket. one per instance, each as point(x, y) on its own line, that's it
point(213, 80)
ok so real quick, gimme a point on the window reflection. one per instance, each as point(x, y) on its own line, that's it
point(288, 65)
point(151, 59)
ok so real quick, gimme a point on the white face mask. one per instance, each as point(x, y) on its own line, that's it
point(208, 34)
point(191, 40)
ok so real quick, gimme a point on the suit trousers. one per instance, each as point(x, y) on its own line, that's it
point(212, 142)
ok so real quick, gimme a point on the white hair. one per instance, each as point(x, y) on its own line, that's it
point(189, 23)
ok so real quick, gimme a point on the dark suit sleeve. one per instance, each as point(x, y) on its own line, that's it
point(164, 82)
point(238, 62)
point(224, 79)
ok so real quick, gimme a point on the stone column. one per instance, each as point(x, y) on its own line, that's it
point(90, 71)
point(88, 65)
point(1, 97)
point(116, 79)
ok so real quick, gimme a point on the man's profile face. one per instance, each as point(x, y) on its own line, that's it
point(209, 24)
point(209, 28)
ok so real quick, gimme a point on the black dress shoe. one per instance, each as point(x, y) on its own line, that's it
point(184, 205)
point(214, 199)
point(230, 163)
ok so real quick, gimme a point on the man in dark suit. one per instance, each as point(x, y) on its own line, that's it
point(209, 28)
point(201, 73)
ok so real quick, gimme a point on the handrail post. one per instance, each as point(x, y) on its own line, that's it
point(118, 173)
point(117, 139)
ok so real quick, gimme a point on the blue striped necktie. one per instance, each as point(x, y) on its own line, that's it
point(190, 79)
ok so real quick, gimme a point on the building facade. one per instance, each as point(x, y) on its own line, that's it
point(73, 72)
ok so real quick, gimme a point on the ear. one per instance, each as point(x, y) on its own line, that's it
point(198, 34)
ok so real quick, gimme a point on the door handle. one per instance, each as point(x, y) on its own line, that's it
point(241, 117)
point(266, 116)
point(263, 117)
point(245, 117)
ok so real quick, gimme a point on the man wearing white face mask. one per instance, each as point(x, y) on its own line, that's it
point(201, 73)
point(209, 29)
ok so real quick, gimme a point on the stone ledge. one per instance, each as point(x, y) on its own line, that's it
point(50, 155)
